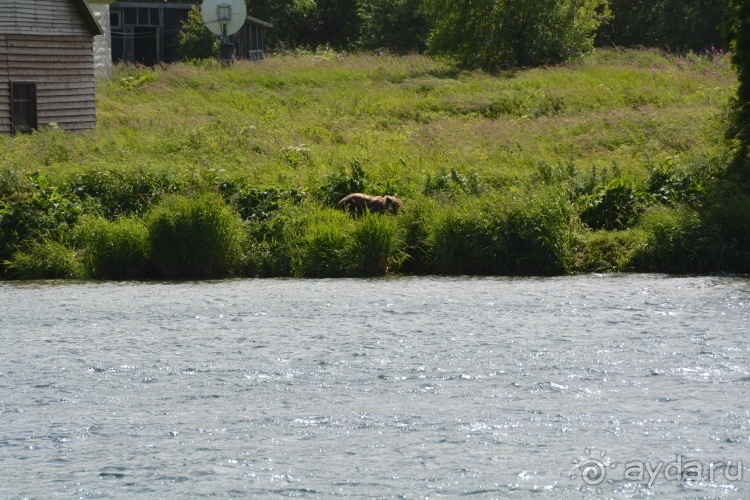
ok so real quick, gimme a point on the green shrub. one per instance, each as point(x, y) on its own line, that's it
point(669, 182)
point(46, 259)
point(614, 206)
point(376, 245)
point(714, 238)
point(451, 184)
point(416, 219)
point(738, 32)
point(196, 236)
point(323, 244)
point(38, 208)
point(195, 41)
point(533, 237)
point(340, 184)
point(257, 204)
point(328, 243)
point(609, 251)
point(124, 192)
point(114, 250)
point(488, 34)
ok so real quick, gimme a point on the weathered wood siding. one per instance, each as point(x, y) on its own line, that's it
point(4, 88)
point(63, 69)
point(50, 17)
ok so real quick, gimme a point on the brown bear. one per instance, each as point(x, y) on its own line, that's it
point(358, 203)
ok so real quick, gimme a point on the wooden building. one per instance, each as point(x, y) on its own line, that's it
point(46, 65)
point(147, 32)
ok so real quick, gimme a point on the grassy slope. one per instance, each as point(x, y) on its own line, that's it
point(291, 119)
point(518, 202)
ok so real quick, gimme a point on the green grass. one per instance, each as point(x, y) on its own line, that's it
point(194, 236)
point(541, 171)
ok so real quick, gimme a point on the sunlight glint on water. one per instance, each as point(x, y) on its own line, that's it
point(409, 386)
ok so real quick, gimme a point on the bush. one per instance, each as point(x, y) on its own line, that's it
point(514, 33)
point(614, 206)
point(376, 245)
point(257, 204)
point(679, 25)
point(416, 220)
point(36, 209)
point(398, 26)
point(452, 184)
point(670, 183)
point(195, 41)
point(124, 192)
point(738, 32)
point(197, 236)
point(609, 251)
point(326, 243)
point(114, 250)
point(709, 239)
point(534, 238)
point(46, 259)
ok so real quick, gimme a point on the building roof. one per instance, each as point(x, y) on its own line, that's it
point(88, 17)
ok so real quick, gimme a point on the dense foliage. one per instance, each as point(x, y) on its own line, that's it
point(678, 25)
point(398, 26)
point(491, 34)
point(195, 41)
point(739, 34)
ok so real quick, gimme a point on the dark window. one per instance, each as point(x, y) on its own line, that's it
point(143, 17)
point(131, 16)
point(23, 106)
point(114, 19)
point(154, 17)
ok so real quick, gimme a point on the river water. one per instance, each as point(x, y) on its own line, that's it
point(616, 385)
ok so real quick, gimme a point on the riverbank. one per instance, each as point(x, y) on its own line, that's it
point(611, 163)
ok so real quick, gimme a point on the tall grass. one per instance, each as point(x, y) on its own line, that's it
point(533, 237)
point(114, 249)
point(194, 236)
point(324, 242)
point(46, 259)
point(714, 238)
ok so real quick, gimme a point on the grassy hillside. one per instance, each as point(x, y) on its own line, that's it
point(543, 171)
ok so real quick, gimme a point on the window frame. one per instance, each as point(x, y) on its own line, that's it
point(115, 14)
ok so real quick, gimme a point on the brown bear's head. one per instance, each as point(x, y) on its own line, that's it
point(393, 203)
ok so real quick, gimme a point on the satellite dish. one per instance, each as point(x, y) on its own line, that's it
point(223, 17)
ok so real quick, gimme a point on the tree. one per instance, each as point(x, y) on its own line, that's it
point(399, 26)
point(289, 18)
point(738, 31)
point(494, 34)
point(674, 24)
point(195, 41)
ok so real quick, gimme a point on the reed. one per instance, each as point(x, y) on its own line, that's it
point(713, 238)
point(194, 236)
point(46, 259)
point(534, 236)
point(114, 249)
point(377, 246)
